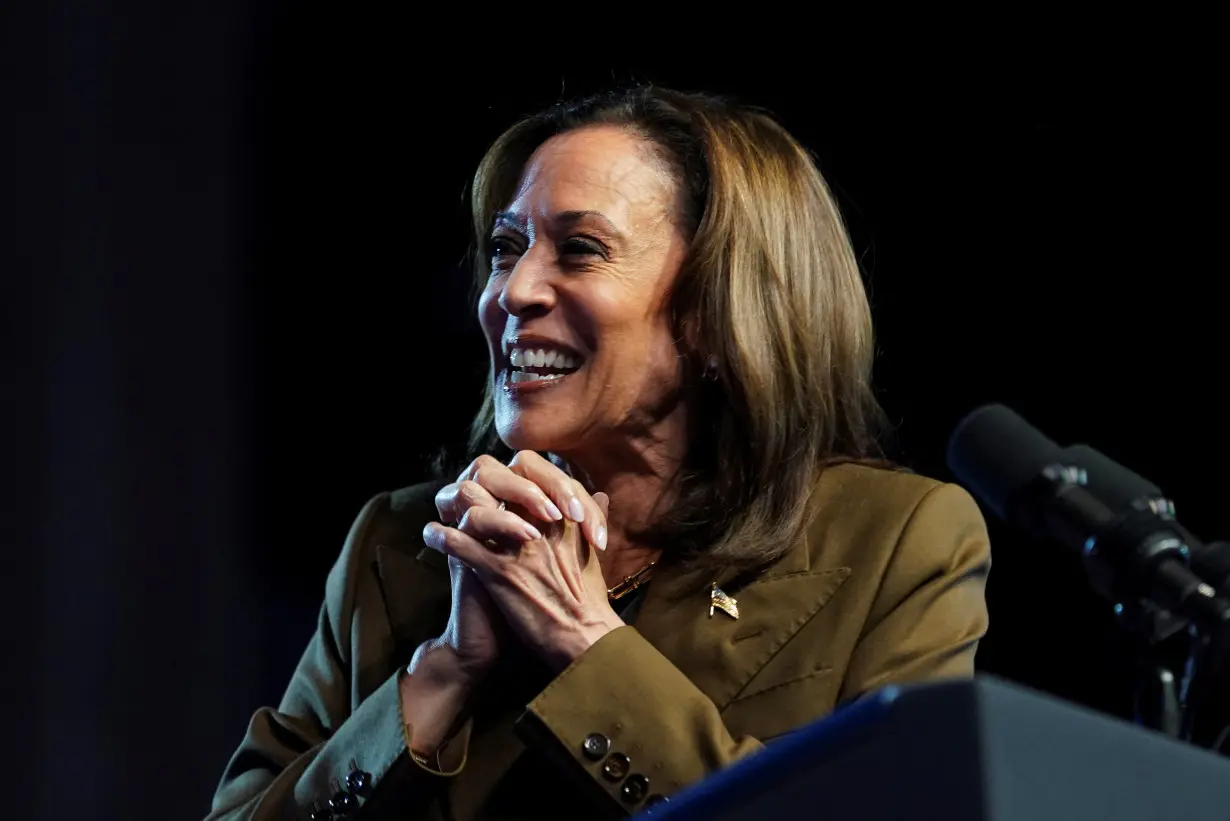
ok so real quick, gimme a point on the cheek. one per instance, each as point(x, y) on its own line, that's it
point(491, 315)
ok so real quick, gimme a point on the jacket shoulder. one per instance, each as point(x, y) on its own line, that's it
point(395, 519)
point(863, 510)
point(852, 483)
point(392, 520)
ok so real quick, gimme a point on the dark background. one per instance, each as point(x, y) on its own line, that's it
point(233, 293)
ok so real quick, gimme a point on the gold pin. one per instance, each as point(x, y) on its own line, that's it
point(723, 602)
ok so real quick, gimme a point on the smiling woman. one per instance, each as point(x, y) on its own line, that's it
point(676, 540)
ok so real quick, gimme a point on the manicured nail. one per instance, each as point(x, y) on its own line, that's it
point(550, 511)
point(531, 532)
point(600, 537)
point(575, 511)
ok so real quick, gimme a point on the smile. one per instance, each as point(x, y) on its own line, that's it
point(539, 365)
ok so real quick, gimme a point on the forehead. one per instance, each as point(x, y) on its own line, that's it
point(601, 168)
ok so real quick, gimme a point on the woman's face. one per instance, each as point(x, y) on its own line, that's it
point(576, 309)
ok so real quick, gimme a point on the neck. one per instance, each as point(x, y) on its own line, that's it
point(637, 475)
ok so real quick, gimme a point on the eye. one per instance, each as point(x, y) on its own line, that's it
point(582, 246)
point(503, 251)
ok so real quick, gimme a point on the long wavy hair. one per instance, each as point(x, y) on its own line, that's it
point(770, 287)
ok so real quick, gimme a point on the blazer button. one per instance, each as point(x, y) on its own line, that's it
point(634, 788)
point(323, 814)
point(616, 766)
point(595, 746)
point(358, 781)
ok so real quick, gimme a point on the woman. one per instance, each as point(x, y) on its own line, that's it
point(674, 314)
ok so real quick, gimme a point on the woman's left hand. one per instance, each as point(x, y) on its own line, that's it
point(550, 590)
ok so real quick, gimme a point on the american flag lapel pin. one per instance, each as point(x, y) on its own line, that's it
point(720, 600)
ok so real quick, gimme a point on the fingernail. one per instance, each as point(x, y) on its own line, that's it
point(532, 532)
point(600, 536)
point(551, 511)
point(575, 511)
point(427, 531)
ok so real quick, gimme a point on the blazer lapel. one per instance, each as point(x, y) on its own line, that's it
point(720, 654)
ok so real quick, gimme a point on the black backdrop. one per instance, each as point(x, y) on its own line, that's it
point(238, 313)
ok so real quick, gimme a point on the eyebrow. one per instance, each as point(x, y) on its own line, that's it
point(517, 221)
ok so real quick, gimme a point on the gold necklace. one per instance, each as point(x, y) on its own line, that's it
point(630, 583)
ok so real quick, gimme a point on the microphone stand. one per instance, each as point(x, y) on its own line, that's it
point(1206, 721)
point(1163, 646)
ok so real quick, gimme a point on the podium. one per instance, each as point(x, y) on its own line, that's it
point(964, 750)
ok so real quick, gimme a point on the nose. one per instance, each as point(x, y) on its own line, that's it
point(528, 288)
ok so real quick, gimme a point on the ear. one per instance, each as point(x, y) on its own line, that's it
point(697, 348)
point(687, 334)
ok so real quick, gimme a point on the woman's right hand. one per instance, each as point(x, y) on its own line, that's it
point(472, 635)
point(474, 624)
point(445, 670)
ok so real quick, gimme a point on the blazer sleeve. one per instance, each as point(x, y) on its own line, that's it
point(931, 609)
point(293, 759)
point(622, 695)
point(624, 698)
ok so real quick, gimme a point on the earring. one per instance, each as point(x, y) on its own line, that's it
point(710, 373)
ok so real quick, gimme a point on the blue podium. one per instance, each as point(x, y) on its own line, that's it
point(982, 749)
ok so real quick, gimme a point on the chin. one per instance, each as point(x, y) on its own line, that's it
point(522, 431)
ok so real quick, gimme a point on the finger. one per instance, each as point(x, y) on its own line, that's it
point(461, 546)
point(485, 523)
point(453, 500)
point(480, 462)
point(594, 526)
point(559, 486)
point(511, 487)
point(505, 484)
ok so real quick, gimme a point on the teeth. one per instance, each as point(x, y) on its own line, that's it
point(526, 376)
point(542, 358)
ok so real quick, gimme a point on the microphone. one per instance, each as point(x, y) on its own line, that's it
point(1160, 577)
point(1124, 528)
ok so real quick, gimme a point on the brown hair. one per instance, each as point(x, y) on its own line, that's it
point(770, 286)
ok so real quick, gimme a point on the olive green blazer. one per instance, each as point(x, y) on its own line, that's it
point(887, 587)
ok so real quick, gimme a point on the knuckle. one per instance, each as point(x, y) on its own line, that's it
point(444, 500)
point(526, 458)
point(469, 520)
point(471, 472)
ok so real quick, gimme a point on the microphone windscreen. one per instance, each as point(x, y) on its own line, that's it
point(995, 453)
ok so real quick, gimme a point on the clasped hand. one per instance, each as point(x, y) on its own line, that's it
point(531, 562)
